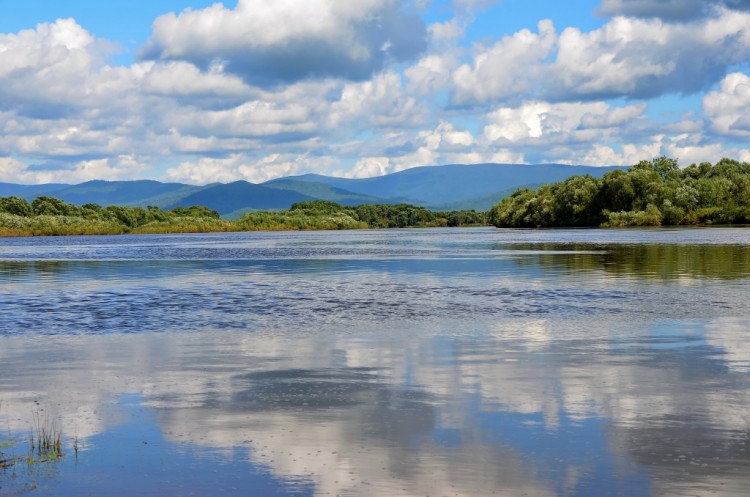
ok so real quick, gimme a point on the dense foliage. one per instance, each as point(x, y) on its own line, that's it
point(51, 216)
point(323, 214)
point(651, 193)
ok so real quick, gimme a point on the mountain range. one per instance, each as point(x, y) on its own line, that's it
point(451, 187)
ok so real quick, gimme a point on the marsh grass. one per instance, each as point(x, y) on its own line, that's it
point(45, 440)
point(6, 461)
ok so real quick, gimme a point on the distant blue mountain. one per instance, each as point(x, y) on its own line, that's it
point(29, 192)
point(232, 199)
point(323, 191)
point(440, 185)
point(139, 192)
point(437, 187)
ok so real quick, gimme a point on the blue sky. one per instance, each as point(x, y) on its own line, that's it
point(197, 92)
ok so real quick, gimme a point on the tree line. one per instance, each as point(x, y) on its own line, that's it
point(650, 193)
point(51, 216)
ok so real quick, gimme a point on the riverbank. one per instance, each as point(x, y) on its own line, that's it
point(52, 217)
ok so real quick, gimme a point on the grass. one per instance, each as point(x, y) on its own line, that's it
point(45, 440)
point(5, 462)
point(45, 444)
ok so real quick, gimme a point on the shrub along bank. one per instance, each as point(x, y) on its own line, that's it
point(651, 193)
point(51, 216)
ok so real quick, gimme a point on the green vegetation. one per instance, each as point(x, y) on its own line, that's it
point(402, 215)
point(6, 461)
point(651, 193)
point(45, 441)
point(44, 445)
point(51, 216)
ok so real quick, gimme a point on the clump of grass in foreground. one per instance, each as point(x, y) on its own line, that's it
point(45, 440)
point(6, 461)
point(44, 444)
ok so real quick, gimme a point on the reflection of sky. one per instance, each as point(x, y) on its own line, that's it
point(406, 372)
point(407, 412)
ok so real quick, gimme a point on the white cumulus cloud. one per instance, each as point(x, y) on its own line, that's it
point(241, 167)
point(284, 41)
point(672, 10)
point(122, 167)
point(536, 120)
point(728, 108)
point(627, 57)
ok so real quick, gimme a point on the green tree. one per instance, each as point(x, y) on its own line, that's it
point(320, 206)
point(648, 194)
point(50, 206)
point(16, 206)
point(577, 201)
point(193, 211)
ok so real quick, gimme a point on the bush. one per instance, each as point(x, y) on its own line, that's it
point(651, 193)
point(16, 206)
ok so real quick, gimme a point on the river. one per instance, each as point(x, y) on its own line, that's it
point(430, 362)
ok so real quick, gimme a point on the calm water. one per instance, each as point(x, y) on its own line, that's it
point(464, 362)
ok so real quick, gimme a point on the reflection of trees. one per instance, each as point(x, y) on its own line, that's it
point(649, 261)
point(74, 270)
point(39, 269)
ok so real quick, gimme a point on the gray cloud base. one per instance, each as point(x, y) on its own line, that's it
point(353, 48)
point(271, 89)
point(668, 10)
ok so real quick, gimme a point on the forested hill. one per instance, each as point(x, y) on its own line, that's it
point(476, 186)
point(651, 193)
point(454, 187)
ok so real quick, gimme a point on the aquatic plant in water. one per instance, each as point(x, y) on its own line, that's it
point(45, 440)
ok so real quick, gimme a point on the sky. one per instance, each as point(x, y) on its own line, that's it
point(197, 91)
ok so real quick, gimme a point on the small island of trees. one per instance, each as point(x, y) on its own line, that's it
point(651, 193)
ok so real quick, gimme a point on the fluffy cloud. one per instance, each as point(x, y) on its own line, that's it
point(686, 148)
point(646, 58)
point(509, 68)
point(595, 133)
point(368, 167)
point(117, 168)
point(67, 114)
point(240, 167)
point(729, 107)
point(379, 102)
point(431, 74)
point(184, 81)
point(445, 144)
point(674, 10)
point(251, 119)
point(635, 58)
point(62, 104)
point(473, 5)
point(286, 41)
point(533, 121)
point(46, 72)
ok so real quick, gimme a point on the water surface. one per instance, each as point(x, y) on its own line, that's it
point(397, 362)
